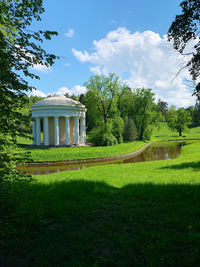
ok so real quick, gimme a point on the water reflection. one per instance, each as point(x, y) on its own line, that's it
point(157, 151)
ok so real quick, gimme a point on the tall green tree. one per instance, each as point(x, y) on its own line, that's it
point(178, 120)
point(130, 130)
point(197, 112)
point(145, 114)
point(20, 49)
point(126, 101)
point(184, 29)
point(103, 93)
point(191, 110)
point(162, 107)
point(102, 111)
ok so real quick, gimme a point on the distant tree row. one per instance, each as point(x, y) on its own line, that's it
point(116, 113)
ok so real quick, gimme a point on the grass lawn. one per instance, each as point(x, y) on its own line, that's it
point(63, 153)
point(141, 214)
point(164, 133)
point(70, 153)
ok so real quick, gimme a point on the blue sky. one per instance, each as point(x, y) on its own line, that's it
point(125, 37)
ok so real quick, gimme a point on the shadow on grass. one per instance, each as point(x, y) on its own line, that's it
point(193, 125)
point(194, 165)
point(29, 146)
point(85, 223)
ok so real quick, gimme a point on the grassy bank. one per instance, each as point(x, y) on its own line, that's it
point(70, 153)
point(62, 153)
point(164, 133)
point(142, 214)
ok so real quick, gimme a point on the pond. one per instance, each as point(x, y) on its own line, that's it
point(156, 151)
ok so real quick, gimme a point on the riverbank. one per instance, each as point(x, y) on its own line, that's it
point(74, 153)
point(135, 214)
point(151, 151)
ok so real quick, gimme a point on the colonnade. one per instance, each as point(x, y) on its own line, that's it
point(54, 125)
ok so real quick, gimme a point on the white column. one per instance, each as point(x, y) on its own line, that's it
point(82, 128)
point(76, 130)
point(56, 129)
point(67, 131)
point(38, 132)
point(33, 131)
point(46, 131)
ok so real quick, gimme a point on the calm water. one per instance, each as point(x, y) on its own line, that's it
point(162, 151)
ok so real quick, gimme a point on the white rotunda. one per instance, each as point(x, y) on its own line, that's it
point(61, 119)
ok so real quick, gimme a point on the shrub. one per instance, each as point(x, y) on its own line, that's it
point(130, 130)
point(117, 129)
point(102, 135)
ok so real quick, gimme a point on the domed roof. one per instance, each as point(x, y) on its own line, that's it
point(58, 100)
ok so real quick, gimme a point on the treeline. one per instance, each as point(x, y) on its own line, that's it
point(117, 113)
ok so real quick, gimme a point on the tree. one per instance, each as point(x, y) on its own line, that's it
point(145, 115)
point(130, 131)
point(197, 112)
point(103, 92)
point(162, 107)
point(103, 116)
point(19, 50)
point(184, 29)
point(126, 101)
point(178, 120)
point(191, 110)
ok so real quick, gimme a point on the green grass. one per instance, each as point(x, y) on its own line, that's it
point(70, 153)
point(164, 133)
point(65, 153)
point(141, 214)
point(24, 141)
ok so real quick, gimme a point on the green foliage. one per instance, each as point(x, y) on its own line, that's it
point(126, 102)
point(103, 118)
point(162, 107)
point(93, 116)
point(109, 101)
point(191, 110)
point(61, 153)
point(19, 50)
point(95, 135)
point(130, 130)
point(146, 116)
point(102, 135)
point(26, 109)
point(102, 95)
point(179, 120)
point(108, 139)
point(183, 30)
point(138, 109)
point(117, 128)
point(197, 112)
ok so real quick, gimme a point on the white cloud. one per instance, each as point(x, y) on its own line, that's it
point(36, 92)
point(42, 68)
point(77, 90)
point(142, 60)
point(70, 33)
